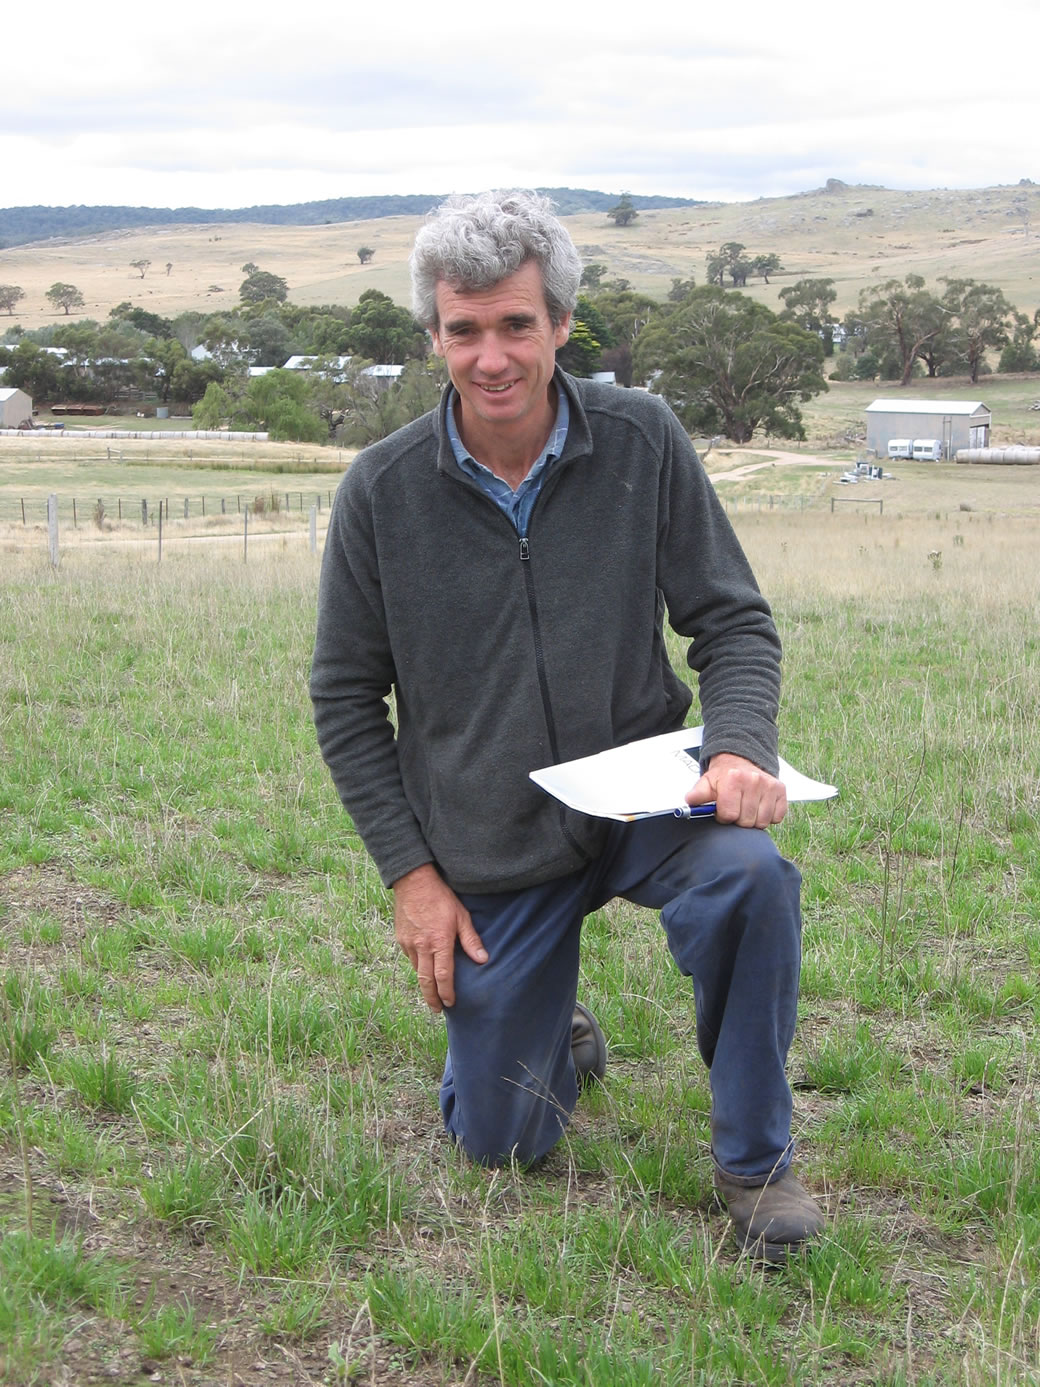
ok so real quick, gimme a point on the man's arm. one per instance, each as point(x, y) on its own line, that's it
point(352, 672)
point(712, 597)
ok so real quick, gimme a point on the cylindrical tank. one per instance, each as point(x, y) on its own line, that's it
point(1014, 453)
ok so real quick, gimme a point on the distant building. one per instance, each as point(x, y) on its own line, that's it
point(307, 363)
point(15, 407)
point(382, 376)
point(955, 423)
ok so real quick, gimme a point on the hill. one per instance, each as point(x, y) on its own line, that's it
point(855, 235)
point(22, 225)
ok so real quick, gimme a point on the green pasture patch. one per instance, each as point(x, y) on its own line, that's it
point(220, 1050)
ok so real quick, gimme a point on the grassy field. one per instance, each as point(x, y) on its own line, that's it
point(858, 236)
point(219, 1150)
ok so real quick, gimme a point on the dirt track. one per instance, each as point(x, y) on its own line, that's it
point(772, 458)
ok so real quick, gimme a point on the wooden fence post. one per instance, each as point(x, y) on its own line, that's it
point(314, 529)
point(52, 528)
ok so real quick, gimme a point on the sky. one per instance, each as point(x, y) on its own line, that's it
point(232, 105)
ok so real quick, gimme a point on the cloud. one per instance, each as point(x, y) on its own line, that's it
point(226, 106)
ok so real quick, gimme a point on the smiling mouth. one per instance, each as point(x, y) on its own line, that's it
point(497, 389)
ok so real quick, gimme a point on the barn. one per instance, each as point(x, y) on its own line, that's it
point(15, 407)
point(955, 423)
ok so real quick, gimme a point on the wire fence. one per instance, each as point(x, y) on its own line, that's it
point(86, 512)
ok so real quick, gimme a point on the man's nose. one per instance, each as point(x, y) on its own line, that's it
point(492, 359)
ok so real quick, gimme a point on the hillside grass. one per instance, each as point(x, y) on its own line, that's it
point(858, 236)
point(220, 1155)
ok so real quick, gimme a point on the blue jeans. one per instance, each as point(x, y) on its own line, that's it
point(729, 905)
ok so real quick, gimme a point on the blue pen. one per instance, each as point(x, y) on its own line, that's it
point(694, 811)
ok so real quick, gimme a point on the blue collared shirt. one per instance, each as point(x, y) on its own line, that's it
point(518, 504)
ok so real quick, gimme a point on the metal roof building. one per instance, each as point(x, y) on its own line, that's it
point(15, 407)
point(956, 423)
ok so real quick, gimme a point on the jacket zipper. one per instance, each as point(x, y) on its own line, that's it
point(543, 685)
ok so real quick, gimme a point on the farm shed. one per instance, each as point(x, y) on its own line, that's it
point(15, 407)
point(956, 423)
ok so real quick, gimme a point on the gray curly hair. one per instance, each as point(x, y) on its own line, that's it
point(474, 242)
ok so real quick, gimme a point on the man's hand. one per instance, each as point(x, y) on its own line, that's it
point(744, 794)
point(428, 919)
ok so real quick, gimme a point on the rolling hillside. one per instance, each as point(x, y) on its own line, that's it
point(855, 235)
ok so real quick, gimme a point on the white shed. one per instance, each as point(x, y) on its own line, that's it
point(954, 423)
point(15, 407)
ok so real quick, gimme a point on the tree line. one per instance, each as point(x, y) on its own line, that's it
point(727, 364)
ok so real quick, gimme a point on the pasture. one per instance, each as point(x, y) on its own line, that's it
point(858, 236)
point(219, 1150)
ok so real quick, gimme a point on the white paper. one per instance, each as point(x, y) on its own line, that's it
point(648, 777)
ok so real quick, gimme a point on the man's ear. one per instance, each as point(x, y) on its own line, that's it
point(435, 338)
point(563, 330)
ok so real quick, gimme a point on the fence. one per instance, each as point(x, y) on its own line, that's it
point(82, 512)
point(54, 528)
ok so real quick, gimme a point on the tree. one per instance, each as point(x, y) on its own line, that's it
point(592, 275)
point(680, 288)
point(381, 332)
point(580, 353)
point(901, 317)
point(65, 296)
point(807, 302)
point(169, 267)
point(367, 413)
point(729, 365)
point(262, 284)
point(151, 323)
point(10, 296)
point(268, 340)
point(624, 312)
point(766, 265)
point(213, 409)
point(141, 266)
point(277, 402)
point(1020, 354)
point(982, 314)
point(30, 368)
point(623, 213)
point(249, 268)
point(365, 254)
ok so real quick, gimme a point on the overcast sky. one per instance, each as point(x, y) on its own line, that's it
point(228, 105)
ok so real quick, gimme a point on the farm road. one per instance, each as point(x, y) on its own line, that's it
point(771, 458)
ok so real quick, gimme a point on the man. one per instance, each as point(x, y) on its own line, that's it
point(503, 566)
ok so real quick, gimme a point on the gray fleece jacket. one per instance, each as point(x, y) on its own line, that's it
point(505, 655)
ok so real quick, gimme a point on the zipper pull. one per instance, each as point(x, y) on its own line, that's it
point(525, 549)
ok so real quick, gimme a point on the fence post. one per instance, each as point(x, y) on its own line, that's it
point(245, 536)
point(144, 511)
point(23, 510)
point(185, 507)
point(314, 529)
point(52, 528)
point(75, 522)
point(160, 534)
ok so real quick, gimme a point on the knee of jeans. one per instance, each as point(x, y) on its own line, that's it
point(753, 856)
point(519, 1136)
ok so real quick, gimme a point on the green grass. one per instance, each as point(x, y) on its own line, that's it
point(223, 1080)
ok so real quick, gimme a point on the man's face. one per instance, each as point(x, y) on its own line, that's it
point(499, 345)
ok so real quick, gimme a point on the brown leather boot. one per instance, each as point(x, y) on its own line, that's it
point(770, 1222)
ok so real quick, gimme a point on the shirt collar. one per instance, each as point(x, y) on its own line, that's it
point(552, 450)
